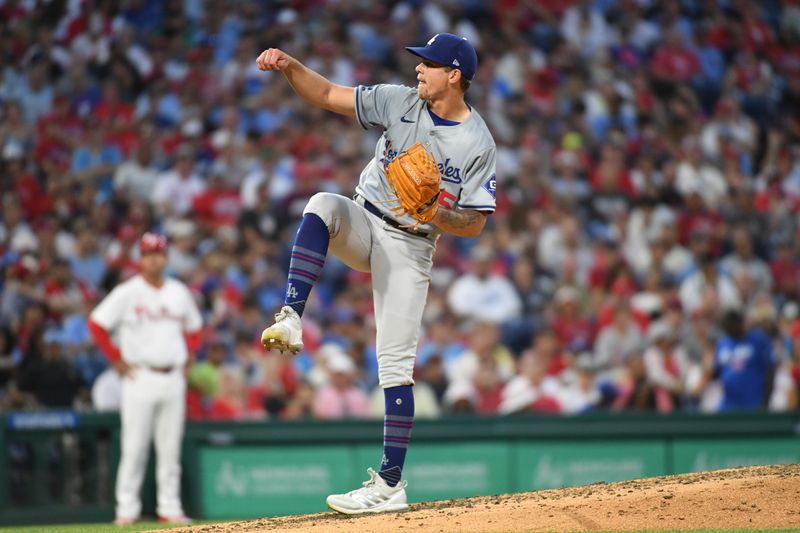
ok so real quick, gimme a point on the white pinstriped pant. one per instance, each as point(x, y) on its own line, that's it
point(153, 408)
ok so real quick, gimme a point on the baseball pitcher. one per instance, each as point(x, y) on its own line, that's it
point(157, 325)
point(433, 172)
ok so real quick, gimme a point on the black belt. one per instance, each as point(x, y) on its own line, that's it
point(392, 222)
point(160, 369)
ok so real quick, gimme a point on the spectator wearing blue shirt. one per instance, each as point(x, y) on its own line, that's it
point(744, 365)
point(708, 82)
point(35, 91)
point(95, 161)
point(87, 264)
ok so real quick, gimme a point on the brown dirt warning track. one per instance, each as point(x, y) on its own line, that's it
point(752, 498)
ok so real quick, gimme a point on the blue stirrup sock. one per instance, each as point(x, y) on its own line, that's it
point(397, 425)
point(308, 257)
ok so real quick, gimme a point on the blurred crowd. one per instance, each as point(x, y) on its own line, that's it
point(643, 255)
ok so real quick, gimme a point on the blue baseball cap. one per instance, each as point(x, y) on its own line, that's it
point(449, 50)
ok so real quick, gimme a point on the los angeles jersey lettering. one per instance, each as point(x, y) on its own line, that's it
point(465, 152)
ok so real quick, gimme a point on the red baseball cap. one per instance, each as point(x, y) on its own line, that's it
point(152, 242)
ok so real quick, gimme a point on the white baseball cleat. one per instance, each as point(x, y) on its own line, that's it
point(374, 497)
point(286, 333)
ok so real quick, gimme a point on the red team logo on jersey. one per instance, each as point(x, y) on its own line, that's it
point(157, 315)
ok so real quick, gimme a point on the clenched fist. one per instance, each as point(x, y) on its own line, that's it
point(273, 59)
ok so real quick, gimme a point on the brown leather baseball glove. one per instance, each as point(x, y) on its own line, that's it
point(415, 179)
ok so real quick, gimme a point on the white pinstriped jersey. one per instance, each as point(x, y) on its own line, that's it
point(465, 152)
point(149, 321)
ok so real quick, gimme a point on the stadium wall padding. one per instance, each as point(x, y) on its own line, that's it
point(59, 467)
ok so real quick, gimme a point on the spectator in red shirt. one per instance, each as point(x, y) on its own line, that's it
point(523, 16)
point(57, 133)
point(611, 172)
point(64, 293)
point(532, 389)
point(117, 116)
point(488, 387)
point(757, 34)
point(569, 326)
point(716, 29)
point(606, 262)
point(786, 57)
point(230, 402)
point(122, 253)
point(785, 270)
point(673, 64)
point(13, 12)
point(218, 205)
point(696, 217)
point(541, 90)
point(32, 199)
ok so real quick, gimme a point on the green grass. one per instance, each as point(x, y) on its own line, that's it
point(95, 528)
point(146, 526)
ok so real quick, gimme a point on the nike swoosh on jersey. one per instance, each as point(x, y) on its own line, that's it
point(404, 119)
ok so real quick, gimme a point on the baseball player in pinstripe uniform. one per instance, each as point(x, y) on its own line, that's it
point(368, 236)
point(158, 326)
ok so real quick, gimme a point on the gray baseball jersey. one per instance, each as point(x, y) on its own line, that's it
point(465, 152)
point(401, 264)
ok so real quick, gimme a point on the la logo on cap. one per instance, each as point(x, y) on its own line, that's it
point(450, 50)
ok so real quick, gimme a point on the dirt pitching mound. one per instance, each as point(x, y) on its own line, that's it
point(753, 497)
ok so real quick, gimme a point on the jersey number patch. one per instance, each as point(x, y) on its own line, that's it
point(446, 199)
point(491, 186)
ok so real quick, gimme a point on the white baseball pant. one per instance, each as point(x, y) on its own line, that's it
point(153, 407)
point(401, 271)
